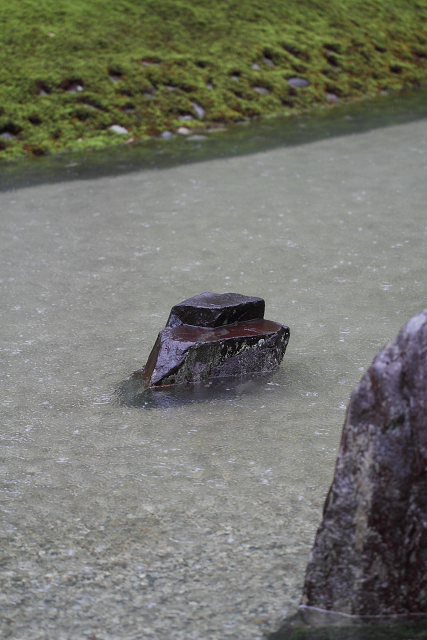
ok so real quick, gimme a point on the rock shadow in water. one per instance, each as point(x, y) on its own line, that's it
point(133, 392)
point(310, 624)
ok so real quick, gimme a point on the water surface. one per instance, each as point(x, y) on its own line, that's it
point(190, 520)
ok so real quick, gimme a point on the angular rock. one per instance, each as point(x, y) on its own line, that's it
point(216, 309)
point(212, 336)
point(189, 354)
point(370, 553)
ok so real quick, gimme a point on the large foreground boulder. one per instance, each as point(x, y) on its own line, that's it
point(214, 336)
point(370, 553)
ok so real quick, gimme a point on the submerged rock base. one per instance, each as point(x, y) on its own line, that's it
point(215, 336)
point(314, 624)
point(133, 392)
point(370, 553)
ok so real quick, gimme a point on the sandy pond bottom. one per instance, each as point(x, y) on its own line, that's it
point(190, 521)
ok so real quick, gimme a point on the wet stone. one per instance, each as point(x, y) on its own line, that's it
point(186, 353)
point(216, 309)
point(370, 553)
point(214, 336)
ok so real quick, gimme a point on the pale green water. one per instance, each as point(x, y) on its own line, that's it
point(192, 521)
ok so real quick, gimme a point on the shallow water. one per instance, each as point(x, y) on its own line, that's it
point(191, 520)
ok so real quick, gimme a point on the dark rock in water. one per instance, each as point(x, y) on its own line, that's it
point(195, 354)
point(215, 336)
point(370, 552)
point(216, 310)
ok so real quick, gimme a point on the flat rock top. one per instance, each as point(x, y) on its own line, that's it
point(249, 329)
point(216, 310)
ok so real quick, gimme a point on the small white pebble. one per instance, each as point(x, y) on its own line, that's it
point(118, 129)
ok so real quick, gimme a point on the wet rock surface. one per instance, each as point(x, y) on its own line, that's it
point(370, 552)
point(216, 309)
point(215, 336)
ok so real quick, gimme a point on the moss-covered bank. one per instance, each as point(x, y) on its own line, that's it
point(70, 69)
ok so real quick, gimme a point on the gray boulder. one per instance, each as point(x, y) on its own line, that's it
point(370, 553)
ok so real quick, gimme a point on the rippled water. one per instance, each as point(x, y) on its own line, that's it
point(190, 520)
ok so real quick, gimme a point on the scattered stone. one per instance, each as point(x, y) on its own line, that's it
point(331, 97)
point(74, 88)
point(7, 136)
point(170, 88)
point(298, 82)
point(256, 67)
point(235, 78)
point(185, 118)
point(196, 137)
point(166, 134)
point(117, 128)
point(209, 85)
point(183, 131)
point(370, 553)
point(129, 140)
point(148, 64)
point(199, 111)
point(268, 62)
point(262, 90)
point(42, 92)
point(90, 106)
point(148, 95)
point(114, 77)
point(213, 336)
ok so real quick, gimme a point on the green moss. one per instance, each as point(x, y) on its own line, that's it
point(142, 64)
